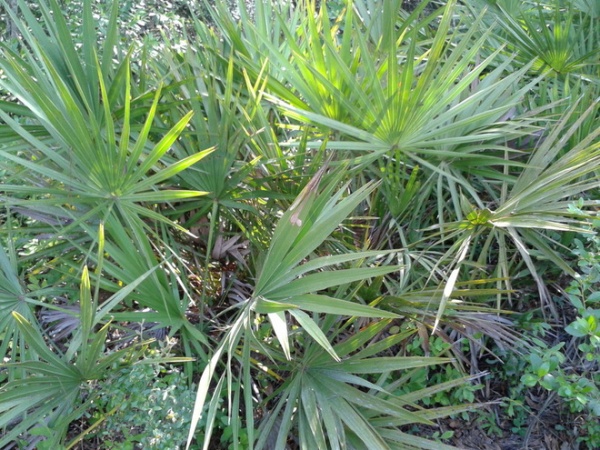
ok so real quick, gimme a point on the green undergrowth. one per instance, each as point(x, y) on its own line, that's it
point(280, 225)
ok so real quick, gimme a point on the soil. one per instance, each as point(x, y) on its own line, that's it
point(541, 435)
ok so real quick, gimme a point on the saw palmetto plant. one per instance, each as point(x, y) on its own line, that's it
point(287, 198)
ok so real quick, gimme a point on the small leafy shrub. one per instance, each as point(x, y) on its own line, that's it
point(149, 405)
point(575, 375)
point(145, 406)
point(570, 368)
point(579, 391)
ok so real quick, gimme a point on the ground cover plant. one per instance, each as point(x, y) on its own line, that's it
point(305, 224)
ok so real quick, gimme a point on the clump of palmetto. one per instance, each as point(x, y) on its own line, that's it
point(291, 201)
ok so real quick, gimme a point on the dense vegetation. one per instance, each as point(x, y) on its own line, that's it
point(342, 225)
